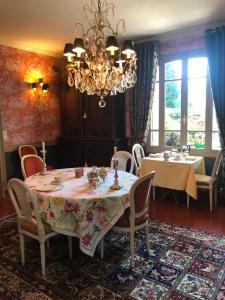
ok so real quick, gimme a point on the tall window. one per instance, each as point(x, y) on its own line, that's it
point(183, 111)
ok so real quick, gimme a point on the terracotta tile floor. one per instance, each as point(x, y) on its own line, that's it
point(171, 208)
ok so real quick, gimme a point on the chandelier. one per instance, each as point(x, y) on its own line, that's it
point(97, 64)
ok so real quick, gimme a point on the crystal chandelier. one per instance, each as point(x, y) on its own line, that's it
point(96, 63)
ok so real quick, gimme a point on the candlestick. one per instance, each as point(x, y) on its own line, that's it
point(43, 146)
point(115, 150)
point(43, 152)
point(116, 185)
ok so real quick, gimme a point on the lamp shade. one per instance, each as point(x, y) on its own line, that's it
point(45, 86)
point(68, 50)
point(112, 44)
point(128, 48)
point(78, 46)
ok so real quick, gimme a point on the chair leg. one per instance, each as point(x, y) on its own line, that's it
point(70, 246)
point(188, 201)
point(42, 249)
point(102, 248)
point(147, 237)
point(153, 193)
point(132, 247)
point(215, 193)
point(211, 199)
point(22, 248)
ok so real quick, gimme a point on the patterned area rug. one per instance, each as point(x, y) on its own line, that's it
point(183, 264)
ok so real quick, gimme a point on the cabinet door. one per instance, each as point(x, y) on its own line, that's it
point(98, 124)
point(98, 153)
point(71, 153)
point(71, 113)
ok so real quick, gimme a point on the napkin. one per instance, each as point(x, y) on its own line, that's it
point(155, 155)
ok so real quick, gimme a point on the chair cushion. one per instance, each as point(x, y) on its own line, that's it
point(124, 221)
point(202, 179)
point(31, 226)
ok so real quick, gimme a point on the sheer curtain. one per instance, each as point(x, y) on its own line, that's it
point(215, 45)
point(141, 95)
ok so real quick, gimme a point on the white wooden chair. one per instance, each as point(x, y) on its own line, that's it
point(123, 158)
point(209, 182)
point(31, 164)
point(138, 153)
point(137, 215)
point(29, 221)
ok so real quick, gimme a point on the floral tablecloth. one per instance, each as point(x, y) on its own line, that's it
point(79, 209)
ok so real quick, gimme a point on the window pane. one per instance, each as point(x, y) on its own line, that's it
point(172, 138)
point(197, 67)
point(196, 139)
point(154, 138)
point(214, 120)
point(173, 70)
point(196, 104)
point(155, 109)
point(173, 105)
point(215, 141)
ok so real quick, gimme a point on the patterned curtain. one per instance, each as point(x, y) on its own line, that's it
point(141, 95)
point(215, 45)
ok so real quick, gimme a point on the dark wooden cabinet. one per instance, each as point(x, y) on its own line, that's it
point(89, 132)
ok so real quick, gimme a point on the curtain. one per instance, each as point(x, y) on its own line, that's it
point(141, 95)
point(215, 46)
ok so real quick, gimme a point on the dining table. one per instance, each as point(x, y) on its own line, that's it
point(176, 174)
point(76, 208)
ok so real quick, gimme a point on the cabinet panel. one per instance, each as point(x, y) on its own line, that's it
point(98, 123)
point(72, 113)
point(98, 153)
point(71, 153)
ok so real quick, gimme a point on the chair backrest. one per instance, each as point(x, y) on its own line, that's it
point(26, 150)
point(140, 196)
point(216, 166)
point(138, 153)
point(31, 164)
point(25, 203)
point(123, 158)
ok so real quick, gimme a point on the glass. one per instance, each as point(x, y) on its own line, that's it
point(197, 67)
point(196, 140)
point(154, 138)
point(214, 120)
point(215, 141)
point(172, 138)
point(155, 109)
point(196, 104)
point(173, 105)
point(173, 70)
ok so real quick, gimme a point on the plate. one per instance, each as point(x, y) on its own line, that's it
point(48, 188)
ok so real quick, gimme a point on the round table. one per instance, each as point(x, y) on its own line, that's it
point(78, 209)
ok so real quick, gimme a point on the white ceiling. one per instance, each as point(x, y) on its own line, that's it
point(46, 25)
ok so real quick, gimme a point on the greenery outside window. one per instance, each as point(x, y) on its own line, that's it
point(183, 111)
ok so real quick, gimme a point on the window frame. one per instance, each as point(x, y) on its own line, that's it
point(184, 56)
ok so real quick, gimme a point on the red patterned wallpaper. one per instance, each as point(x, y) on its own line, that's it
point(182, 44)
point(23, 119)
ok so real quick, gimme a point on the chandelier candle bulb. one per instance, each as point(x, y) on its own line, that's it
point(97, 64)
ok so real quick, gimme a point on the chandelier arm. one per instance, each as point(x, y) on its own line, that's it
point(123, 26)
point(82, 28)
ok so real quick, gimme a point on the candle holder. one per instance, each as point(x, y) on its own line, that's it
point(44, 172)
point(116, 185)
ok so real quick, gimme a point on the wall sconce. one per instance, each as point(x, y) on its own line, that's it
point(40, 89)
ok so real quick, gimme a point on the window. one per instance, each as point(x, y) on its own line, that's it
point(183, 111)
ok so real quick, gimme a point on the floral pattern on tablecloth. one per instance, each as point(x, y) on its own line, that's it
point(79, 208)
